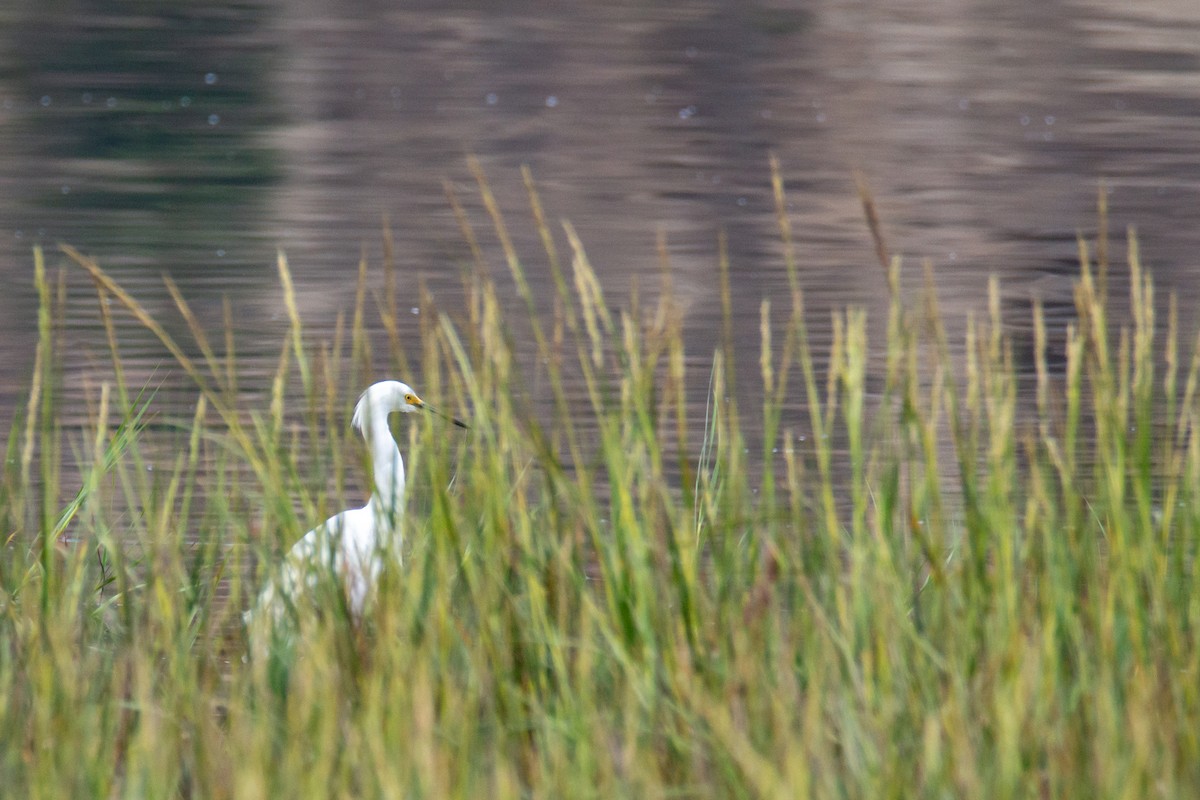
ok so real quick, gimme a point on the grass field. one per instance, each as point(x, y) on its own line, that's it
point(616, 598)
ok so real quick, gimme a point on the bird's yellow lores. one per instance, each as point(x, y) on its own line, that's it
point(352, 546)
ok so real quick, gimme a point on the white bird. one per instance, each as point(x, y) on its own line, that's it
point(351, 547)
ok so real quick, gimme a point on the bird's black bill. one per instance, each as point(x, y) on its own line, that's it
point(446, 417)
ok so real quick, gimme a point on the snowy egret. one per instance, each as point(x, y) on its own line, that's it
point(352, 546)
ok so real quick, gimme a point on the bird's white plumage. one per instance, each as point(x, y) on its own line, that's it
point(349, 549)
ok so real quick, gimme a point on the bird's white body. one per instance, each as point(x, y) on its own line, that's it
point(349, 550)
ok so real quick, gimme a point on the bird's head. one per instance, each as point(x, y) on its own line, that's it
point(387, 397)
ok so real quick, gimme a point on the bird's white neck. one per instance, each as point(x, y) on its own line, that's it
point(387, 468)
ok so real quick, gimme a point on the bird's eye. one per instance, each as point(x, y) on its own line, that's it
point(410, 399)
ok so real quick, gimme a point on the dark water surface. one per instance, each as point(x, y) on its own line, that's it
point(194, 139)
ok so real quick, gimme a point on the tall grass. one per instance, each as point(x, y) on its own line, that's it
point(606, 594)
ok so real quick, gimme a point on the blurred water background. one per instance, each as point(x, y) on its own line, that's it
point(194, 139)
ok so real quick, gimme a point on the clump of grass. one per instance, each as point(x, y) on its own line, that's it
point(605, 592)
